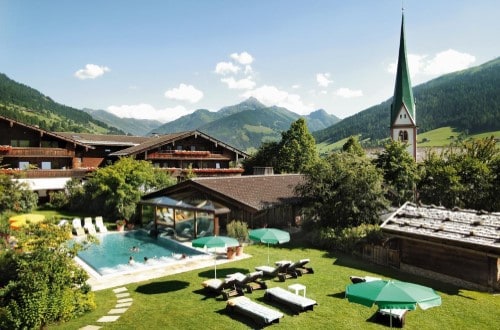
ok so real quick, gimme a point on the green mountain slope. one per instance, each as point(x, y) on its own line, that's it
point(188, 122)
point(25, 104)
point(467, 100)
point(247, 124)
point(139, 127)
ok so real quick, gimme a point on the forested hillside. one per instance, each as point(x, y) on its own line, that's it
point(468, 101)
point(25, 104)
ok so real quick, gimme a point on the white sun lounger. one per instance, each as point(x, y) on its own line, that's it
point(295, 302)
point(77, 227)
point(100, 225)
point(261, 314)
point(89, 226)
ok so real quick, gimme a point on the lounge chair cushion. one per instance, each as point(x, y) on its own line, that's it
point(296, 302)
point(214, 284)
point(258, 312)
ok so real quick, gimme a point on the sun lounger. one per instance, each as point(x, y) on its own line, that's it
point(261, 314)
point(360, 279)
point(89, 226)
point(278, 271)
point(300, 268)
point(100, 225)
point(77, 227)
point(251, 281)
point(225, 287)
point(398, 316)
point(295, 302)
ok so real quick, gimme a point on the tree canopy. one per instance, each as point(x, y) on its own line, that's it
point(293, 154)
point(115, 190)
point(345, 190)
point(399, 170)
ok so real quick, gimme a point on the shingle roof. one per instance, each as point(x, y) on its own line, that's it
point(60, 136)
point(470, 229)
point(160, 140)
point(256, 192)
point(104, 139)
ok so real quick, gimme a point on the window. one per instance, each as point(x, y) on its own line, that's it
point(46, 166)
point(403, 136)
point(24, 165)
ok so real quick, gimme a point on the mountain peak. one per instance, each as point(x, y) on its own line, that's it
point(253, 102)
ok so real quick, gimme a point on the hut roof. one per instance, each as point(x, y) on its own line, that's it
point(474, 230)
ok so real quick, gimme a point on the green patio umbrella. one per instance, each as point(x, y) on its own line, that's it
point(392, 295)
point(269, 236)
point(215, 242)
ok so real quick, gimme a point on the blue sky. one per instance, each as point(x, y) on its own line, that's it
point(164, 59)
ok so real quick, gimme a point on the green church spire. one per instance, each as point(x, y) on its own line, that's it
point(403, 94)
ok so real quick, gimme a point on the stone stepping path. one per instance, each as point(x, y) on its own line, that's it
point(123, 302)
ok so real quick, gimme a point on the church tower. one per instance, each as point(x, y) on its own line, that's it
point(403, 115)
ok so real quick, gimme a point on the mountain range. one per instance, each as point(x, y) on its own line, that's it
point(247, 124)
point(468, 101)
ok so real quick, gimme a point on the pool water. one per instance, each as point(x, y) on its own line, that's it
point(113, 253)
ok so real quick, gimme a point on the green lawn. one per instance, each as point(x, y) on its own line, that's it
point(176, 301)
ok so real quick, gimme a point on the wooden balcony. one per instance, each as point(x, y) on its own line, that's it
point(36, 152)
point(187, 155)
point(31, 174)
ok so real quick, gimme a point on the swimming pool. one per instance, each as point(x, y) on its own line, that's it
point(113, 253)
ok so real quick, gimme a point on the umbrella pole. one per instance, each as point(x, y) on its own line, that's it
point(215, 263)
point(268, 254)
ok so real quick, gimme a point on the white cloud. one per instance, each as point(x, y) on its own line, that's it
point(323, 79)
point(224, 68)
point(243, 58)
point(91, 71)
point(147, 111)
point(245, 83)
point(270, 95)
point(449, 61)
point(184, 93)
point(443, 62)
point(348, 93)
point(296, 86)
point(248, 69)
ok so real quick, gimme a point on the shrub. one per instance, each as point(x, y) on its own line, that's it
point(348, 240)
point(238, 229)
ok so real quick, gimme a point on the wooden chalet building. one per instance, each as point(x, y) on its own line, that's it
point(43, 159)
point(47, 160)
point(457, 246)
point(102, 146)
point(259, 200)
point(180, 153)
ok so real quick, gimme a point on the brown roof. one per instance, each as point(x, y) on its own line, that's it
point(159, 140)
point(60, 136)
point(466, 228)
point(256, 192)
point(104, 139)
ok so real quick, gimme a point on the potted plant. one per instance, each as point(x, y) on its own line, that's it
point(120, 225)
point(239, 230)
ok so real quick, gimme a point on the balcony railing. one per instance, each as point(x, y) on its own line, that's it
point(186, 155)
point(72, 173)
point(36, 152)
